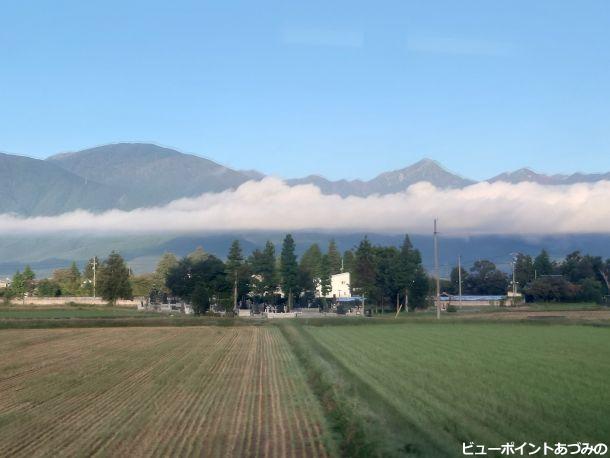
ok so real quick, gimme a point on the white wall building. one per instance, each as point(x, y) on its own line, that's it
point(340, 286)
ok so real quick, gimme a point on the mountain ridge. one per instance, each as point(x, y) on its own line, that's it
point(129, 175)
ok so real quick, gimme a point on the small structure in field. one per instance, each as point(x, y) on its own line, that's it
point(339, 286)
point(472, 300)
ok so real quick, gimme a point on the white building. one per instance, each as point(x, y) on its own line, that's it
point(339, 284)
point(5, 283)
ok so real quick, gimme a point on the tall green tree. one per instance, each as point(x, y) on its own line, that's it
point(348, 261)
point(114, 281)
point(365, 271)
point(166, 263)
point(289, 269)
point(310, 265)
point(311, 260)
point(75, 281)
point(18, 285)
point(411, 276)
point(325, 274)
point(334, 257)
point(524, 270)
point(263, 267)
point(543, 264)
point(238, 271)
point(29, 279)
point(234, 260)
point(386, 283)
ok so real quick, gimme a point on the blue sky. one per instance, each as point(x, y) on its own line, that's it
point(341, 88)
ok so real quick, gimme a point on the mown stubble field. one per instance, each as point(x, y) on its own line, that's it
point(213, 391)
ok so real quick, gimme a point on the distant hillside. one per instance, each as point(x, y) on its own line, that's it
point(389, 182)
point(46, 253)
point(528, 175)
point(149, 175)
point(34, 187)
point(133, 175)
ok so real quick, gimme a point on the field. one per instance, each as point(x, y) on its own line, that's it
point(153, 392)
point(429, 387)
point(16, 312)
point(362, 387)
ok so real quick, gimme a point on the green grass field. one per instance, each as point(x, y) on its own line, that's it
point(429, 387)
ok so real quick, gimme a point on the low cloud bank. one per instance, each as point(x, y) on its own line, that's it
point(483, 208)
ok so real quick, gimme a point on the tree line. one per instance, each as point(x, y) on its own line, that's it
point(384, 276)
point(576, 278)
point(113, 281)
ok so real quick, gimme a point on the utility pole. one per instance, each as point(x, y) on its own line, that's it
point(460, 278)
point(235, 310)
point(514, 282)
point(94, 277)
point(437, 272)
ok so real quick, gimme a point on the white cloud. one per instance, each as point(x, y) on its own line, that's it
point(483, 208)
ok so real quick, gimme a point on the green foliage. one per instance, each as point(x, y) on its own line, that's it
point(550, 289)
point(18, 285)
point(590, 290)
point(348, 261)
point(69, 280)
point(325, 274)
point(234, 260)
point(142, 284)
point(200, 299)
point(167, 262)
point(581, 278)
point(263, 267)
point(311, 260)
point(197, 281)
point(485, 278)
point(524, 270)
point(289, 268)
point(543, 265)
point(238, 271)
point(48, 288)
point(365, 275)
point(334, 257)
point(113, 282)
point(198, 255)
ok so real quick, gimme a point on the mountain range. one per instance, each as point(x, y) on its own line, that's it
point(132, 175)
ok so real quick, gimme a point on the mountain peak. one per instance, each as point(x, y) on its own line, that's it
point(521, 175)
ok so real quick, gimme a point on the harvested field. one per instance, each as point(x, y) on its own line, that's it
point(156, 391)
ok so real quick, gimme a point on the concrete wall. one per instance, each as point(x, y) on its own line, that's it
point(65, 300)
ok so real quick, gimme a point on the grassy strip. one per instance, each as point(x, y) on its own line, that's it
point(121, 322)
point(348, 426)
point(364, 422)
